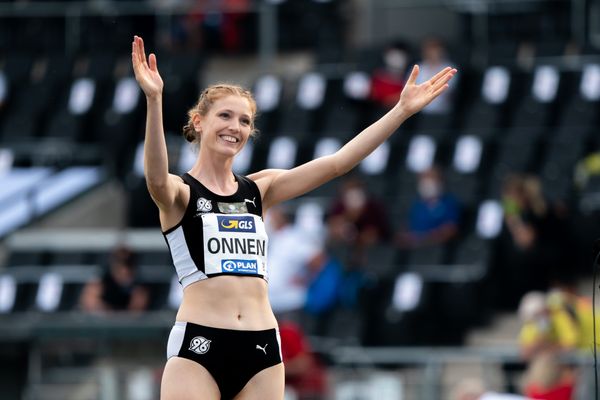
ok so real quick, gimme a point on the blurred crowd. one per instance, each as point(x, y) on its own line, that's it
point(334, 266)
point(360, 258)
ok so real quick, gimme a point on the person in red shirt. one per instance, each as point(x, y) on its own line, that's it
point(304, 373)
point(546, 379)
point(388, 81)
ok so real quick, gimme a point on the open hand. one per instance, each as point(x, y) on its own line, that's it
point(414, 97)
point(146, 72)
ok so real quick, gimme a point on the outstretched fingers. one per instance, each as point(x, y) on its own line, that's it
point(439, 91)
point(440, 75)
point(412, 79)
point(135, 60)
point(138, 54)
point(442, 80)
point(152, 62)
point(142, 50)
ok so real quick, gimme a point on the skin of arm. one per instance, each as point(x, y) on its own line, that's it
point(281, 185)
point(163, 187)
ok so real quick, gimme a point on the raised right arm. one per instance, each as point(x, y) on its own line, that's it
point(163, 187)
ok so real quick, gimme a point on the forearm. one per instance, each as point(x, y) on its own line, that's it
point(156, 163)
point(369, 139)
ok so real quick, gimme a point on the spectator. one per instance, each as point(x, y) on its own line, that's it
point(357, 218)
point(434, 216)
point(576, 310)
point(433, 53)
point(305, 376)
point(291, 249)
point(211, 25)
point(118, 289)
point(533, 248)
point(388, 81)
point(545, 328)
point(547, 379)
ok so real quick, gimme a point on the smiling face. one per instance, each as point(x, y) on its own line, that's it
point(227, 125)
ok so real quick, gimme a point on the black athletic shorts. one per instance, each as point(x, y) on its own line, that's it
point(232, 357)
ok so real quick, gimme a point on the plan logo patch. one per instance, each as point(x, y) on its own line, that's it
point(239, 266)
point(236, 224)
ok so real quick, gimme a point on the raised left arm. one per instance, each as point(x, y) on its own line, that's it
point(280, 185)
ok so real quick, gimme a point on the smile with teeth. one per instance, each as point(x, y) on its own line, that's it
point(230, 139)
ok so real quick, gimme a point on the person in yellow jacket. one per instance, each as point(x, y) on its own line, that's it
point(568, 305)
point(560, 320)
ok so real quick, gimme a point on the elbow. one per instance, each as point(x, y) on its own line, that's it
point(339, 167)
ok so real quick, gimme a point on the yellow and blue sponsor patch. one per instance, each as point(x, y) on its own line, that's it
point(229, 223)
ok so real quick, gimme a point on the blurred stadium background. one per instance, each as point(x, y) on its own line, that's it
point(71, 182)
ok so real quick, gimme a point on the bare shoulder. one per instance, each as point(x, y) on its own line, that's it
point(183, 192)
point(177, 178)
point(264, 178)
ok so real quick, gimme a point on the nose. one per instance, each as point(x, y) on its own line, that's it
point(235, 125)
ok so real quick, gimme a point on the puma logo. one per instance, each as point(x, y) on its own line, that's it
point(264, 349)
point(251, 201)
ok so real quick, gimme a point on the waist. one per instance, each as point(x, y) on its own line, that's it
point(228, 302)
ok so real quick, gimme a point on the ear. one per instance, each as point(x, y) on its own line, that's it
point(196, 121)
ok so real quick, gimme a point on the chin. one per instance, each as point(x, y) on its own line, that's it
point(230, 152)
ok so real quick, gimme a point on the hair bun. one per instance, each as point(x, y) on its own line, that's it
point(189, 134)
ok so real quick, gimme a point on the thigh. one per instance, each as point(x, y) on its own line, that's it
point(184, 379)
point(268, 384)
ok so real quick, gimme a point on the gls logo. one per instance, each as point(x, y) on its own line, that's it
point(239, 266)
point(235, 224)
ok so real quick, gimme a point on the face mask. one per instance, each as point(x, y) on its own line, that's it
point(355, 199)
point(395, 60)
point(429, 188)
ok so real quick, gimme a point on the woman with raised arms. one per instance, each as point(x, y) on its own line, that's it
point(225, 342)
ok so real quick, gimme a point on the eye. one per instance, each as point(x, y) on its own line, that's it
point(224, 115)
point(245, 121)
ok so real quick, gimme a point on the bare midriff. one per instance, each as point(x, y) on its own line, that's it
point(228, 302)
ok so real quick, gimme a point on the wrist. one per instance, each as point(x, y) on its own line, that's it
point(401, 112)
point(154, 99)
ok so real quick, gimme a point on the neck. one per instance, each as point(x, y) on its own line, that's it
point(214, 172)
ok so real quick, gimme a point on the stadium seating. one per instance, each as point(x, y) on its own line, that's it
point(506, 119)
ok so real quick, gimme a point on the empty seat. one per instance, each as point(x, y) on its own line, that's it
point(25, 297)
point(154, 258)
point(381, 260)
point(69, 258)
point(473, 250)
point(426, 256)
point(24, 257)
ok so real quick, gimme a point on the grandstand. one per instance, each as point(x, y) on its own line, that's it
point(72, 188)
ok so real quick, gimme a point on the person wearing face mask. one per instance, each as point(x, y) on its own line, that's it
point(434, 216)
point(356, 217)
point(388, 81)
point(433, 53)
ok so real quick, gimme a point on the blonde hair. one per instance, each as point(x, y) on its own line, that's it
point(208, 98)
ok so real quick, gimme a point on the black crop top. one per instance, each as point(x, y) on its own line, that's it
point(219, 235)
